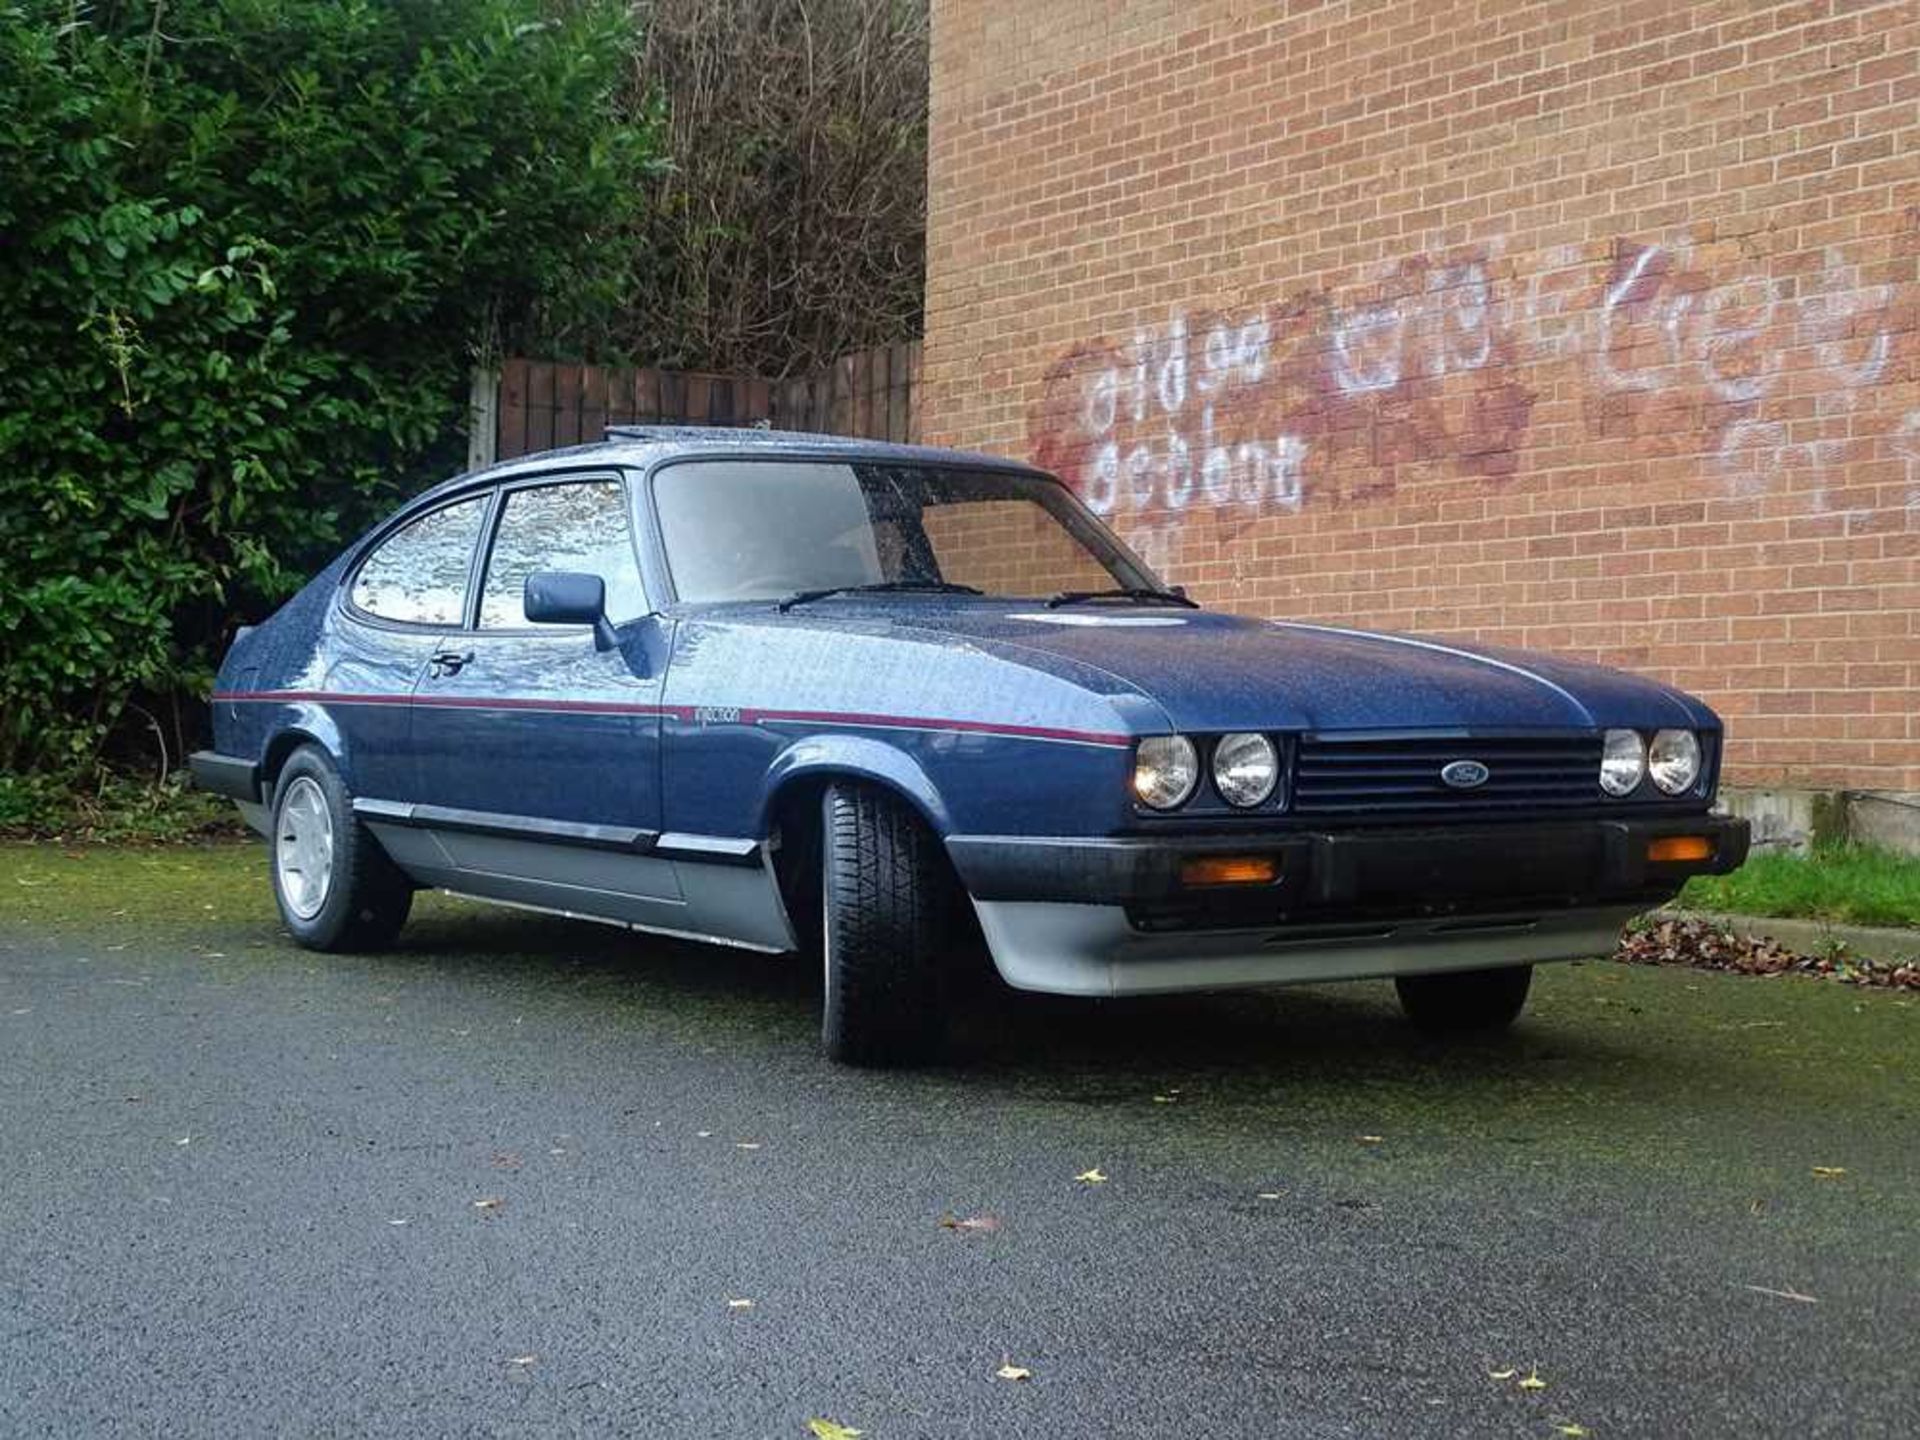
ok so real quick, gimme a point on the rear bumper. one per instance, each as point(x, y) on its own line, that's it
point(237, 779)
point(1103, 917)
point(226, 775)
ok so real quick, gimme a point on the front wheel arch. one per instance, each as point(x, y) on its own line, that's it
point(795, 828)
point(817, 761)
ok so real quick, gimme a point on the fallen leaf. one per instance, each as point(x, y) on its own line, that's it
point(827, 1430)
point(506, 1160)
point(1268, 1195)
point(1571, 1430)
point(1163, 1099)
point(1091, 1177)
point(1371, 1139)
point(1532, 1381)
point(739, 1304)
point(704, 1134)
point(746, 1144)
point(396, 1222)
point(184, 1140)
point(1506, 1374)
point(970, 1222)
point(523, 1359)
point(1010, 1371)
point(492, 1202)
point(1829, 1172)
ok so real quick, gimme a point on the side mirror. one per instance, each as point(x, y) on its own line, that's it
point(1179, 590)
point(566, 597)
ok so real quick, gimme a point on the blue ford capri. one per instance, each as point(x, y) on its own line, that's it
point(879, 705)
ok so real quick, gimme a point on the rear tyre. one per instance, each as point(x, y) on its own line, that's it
point(1466, 1002)
point(335, 886)
point(886, 896)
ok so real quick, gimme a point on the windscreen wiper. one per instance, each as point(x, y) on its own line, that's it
point(881, 587)
point(1140, 594)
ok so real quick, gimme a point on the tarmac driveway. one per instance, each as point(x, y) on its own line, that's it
point(532, 1176)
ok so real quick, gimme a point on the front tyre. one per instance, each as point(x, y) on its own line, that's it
point(886, 896)
point(1465, 1002)
point(335, 886)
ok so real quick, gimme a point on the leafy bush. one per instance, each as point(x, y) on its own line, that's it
point(248, 251)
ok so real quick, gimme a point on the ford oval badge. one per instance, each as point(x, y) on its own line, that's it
point(1464, 774)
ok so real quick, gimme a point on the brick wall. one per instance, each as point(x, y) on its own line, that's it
point(1582, 327)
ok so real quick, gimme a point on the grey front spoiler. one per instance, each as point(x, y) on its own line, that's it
point(1066, 949)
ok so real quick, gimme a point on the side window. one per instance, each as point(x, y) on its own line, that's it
point(581, 526)
point(419, 574)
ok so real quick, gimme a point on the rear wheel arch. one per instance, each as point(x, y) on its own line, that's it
point(312, 727)
point(280, 749)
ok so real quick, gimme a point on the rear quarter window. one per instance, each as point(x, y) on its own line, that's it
point(418, 575)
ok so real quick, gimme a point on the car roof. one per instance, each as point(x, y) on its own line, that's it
point(639, 446)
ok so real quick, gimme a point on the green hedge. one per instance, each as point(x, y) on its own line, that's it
point(249, 250)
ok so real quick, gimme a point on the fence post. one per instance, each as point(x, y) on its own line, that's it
point(483, 419)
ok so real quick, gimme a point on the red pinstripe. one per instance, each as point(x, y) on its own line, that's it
point(678, 712)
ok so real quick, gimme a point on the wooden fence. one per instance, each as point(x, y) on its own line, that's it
point(530, 405)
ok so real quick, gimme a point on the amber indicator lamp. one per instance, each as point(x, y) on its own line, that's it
point(1229, 870)
point(1680, 847)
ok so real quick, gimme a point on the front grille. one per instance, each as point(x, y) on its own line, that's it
point(1401, 775)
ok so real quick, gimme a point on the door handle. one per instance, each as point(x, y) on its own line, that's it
point(449, 662)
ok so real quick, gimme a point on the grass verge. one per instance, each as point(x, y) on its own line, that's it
point(1853, 884)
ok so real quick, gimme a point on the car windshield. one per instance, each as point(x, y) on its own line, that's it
point(772, 530)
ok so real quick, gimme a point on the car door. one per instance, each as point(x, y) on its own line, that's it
point(538, 752)
point(411, 585)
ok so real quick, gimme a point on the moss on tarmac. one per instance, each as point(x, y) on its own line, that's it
point(1728, 1088)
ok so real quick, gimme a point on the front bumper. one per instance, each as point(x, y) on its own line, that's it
point(1112, 916)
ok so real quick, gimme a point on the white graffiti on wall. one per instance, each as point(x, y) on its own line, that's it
point(1906, 444)
point(1224, 414)
point(1182, 452)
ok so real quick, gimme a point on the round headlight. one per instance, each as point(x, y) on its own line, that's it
point(1165, 770)
point(1245, 769)
point(1623, 761)
point(1674, 760)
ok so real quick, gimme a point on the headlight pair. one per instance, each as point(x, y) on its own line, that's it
point(1166, 770)
point(1672, 759)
